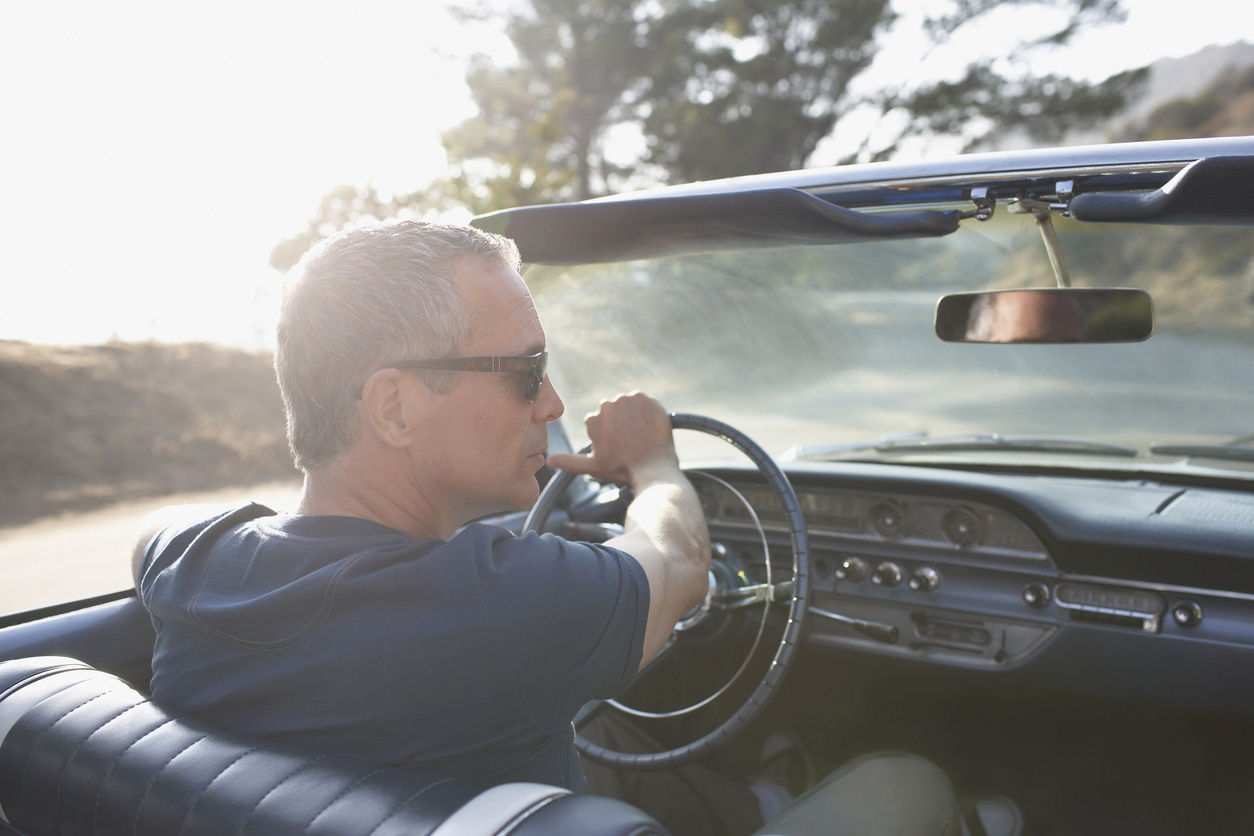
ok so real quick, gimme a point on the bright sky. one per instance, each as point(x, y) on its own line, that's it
point(152, 153)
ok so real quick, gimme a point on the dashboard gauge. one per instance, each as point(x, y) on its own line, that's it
point(962, 527)
point(888, 520)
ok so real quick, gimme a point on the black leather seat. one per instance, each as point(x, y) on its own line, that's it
point(81, 752)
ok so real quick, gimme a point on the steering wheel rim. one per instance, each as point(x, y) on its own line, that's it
point(784, 654)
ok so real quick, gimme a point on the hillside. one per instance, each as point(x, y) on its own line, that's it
point(1202, 94)
point(1225, 107)
point(86, 426)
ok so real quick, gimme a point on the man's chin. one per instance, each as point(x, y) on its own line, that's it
point(529, 495)
point(524, 496)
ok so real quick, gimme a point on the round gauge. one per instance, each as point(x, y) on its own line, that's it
point(887, 520)
point(961, 527)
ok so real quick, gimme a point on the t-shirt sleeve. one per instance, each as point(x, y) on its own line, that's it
point(569, 621)
point(172, 541)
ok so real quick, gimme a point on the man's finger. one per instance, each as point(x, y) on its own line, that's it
point(572, 462)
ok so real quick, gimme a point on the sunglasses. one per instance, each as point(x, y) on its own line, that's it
point(534, 365)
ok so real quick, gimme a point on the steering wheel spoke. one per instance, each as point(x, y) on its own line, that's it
point(747, 596)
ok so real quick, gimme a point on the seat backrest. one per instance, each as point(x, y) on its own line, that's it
point(81, 752)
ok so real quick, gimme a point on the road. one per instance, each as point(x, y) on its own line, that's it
point(79, 555)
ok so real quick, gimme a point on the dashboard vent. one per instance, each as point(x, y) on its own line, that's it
point(1216, 507)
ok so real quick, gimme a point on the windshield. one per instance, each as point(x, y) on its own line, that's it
point(813, 345)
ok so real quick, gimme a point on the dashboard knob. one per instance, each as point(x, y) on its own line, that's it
point(886, 574)
point(852, 570)
point(924, 579)
point(1187, 614)
point(1036, 594)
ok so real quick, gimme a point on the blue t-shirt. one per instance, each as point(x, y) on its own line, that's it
point(466, 658)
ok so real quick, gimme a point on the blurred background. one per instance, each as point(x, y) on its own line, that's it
point(163, 163)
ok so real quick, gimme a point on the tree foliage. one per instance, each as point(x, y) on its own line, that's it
point(1045, 108)
point(757, 83)
point(539, 135)
point(710, 89)
point(728, 87)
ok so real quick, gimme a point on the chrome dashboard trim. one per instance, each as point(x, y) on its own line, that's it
point(979, 553)
point(1159, 587)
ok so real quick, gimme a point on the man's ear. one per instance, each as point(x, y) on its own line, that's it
point(389, 407)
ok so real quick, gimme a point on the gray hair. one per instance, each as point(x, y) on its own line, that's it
point(361, 299)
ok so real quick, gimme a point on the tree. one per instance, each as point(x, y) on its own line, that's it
point(984, 102)
point(758, 84)
point(771, 79)
point(540, 130)
point(728, 87)
point(714, 88)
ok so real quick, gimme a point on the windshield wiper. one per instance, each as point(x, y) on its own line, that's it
point(920, 443)
point(1232, 452)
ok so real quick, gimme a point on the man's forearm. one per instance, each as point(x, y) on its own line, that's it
point(666, 531)
point(670, 515)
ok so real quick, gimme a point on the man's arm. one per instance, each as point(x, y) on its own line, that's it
point(665, 526)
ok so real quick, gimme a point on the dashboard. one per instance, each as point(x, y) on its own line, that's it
point(1117, 587)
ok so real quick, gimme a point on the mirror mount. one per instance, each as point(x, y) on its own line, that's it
point(1041, 210)
point(985, 206)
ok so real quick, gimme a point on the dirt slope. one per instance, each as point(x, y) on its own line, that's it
point(86, 426)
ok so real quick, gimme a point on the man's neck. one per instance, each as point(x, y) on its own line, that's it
point(337, 490)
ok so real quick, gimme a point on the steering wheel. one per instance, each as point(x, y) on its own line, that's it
point(797, 593)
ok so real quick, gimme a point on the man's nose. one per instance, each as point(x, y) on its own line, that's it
point(549, 406)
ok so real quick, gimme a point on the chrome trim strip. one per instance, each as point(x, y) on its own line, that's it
point(1159, 587)
point(982, 166)
point(963, 179)
point(942, 547)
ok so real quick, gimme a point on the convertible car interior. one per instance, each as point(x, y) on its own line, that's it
point(975, 442)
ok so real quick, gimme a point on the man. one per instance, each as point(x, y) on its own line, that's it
point(374, 622)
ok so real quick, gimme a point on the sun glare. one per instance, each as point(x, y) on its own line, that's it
point(153, 153)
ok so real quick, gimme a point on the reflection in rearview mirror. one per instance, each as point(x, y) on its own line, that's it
point(1053, 315)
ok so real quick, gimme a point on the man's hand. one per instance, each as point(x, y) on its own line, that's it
point(631, 438)
point(665, 526)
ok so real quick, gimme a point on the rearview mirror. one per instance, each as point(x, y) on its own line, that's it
point(1053, 315)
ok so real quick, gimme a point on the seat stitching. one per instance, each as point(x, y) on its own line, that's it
point(157, 777)
point(221, 772)
point(46, 730)
point(77, 748)
point(95, 813)
point(302, 768)
point(398, 807)
point(109, 768)
point(43, 674)
point(356, 783)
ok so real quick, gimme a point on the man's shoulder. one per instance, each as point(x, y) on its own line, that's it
point(177, 526)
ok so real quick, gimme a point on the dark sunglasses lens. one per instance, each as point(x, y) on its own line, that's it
point(537, 378)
